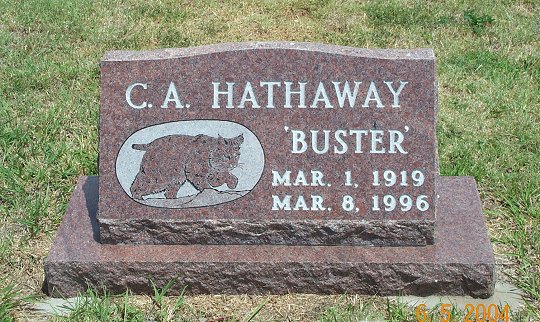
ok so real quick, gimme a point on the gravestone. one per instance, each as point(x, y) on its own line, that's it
point(325, 148)
point(271, 168)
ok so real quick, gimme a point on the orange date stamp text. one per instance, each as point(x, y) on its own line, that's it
point(473, 313)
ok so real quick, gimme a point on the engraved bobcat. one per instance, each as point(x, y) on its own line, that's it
point(172, 160)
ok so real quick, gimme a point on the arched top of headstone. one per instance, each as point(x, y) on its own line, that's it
point(170, 53)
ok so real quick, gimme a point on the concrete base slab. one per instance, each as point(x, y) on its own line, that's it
point(58, 306)
point(461, 261)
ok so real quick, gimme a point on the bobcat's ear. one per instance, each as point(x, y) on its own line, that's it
point(221, 140)
point(239, 139)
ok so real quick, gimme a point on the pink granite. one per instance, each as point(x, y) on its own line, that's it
point(461, 261)
point(245, 215)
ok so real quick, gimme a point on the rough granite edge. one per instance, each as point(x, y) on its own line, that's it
point(171, 53)
point(281, 278)
point(272, 232)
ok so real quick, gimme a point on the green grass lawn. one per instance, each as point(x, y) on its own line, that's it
point(488, 65)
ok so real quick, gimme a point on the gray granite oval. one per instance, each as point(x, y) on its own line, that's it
point(189, 164)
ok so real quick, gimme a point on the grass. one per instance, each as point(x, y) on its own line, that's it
point(126, 307)
point(488, 65)
point(10, 298)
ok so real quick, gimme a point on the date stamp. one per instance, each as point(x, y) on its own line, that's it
point(473, 313)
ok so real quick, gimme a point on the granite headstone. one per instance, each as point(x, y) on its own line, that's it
point(268, 144)
point(271, 168)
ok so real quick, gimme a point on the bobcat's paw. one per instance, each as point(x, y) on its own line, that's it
point(232, 182)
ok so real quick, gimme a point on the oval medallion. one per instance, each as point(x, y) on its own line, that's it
point(188, 164)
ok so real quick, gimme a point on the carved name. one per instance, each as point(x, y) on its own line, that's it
point(295, 95)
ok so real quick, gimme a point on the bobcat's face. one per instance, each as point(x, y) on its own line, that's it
point(226, 153)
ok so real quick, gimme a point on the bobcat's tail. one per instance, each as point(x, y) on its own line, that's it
point(141, 147)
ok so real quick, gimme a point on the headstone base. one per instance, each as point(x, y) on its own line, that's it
point(461, 261)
